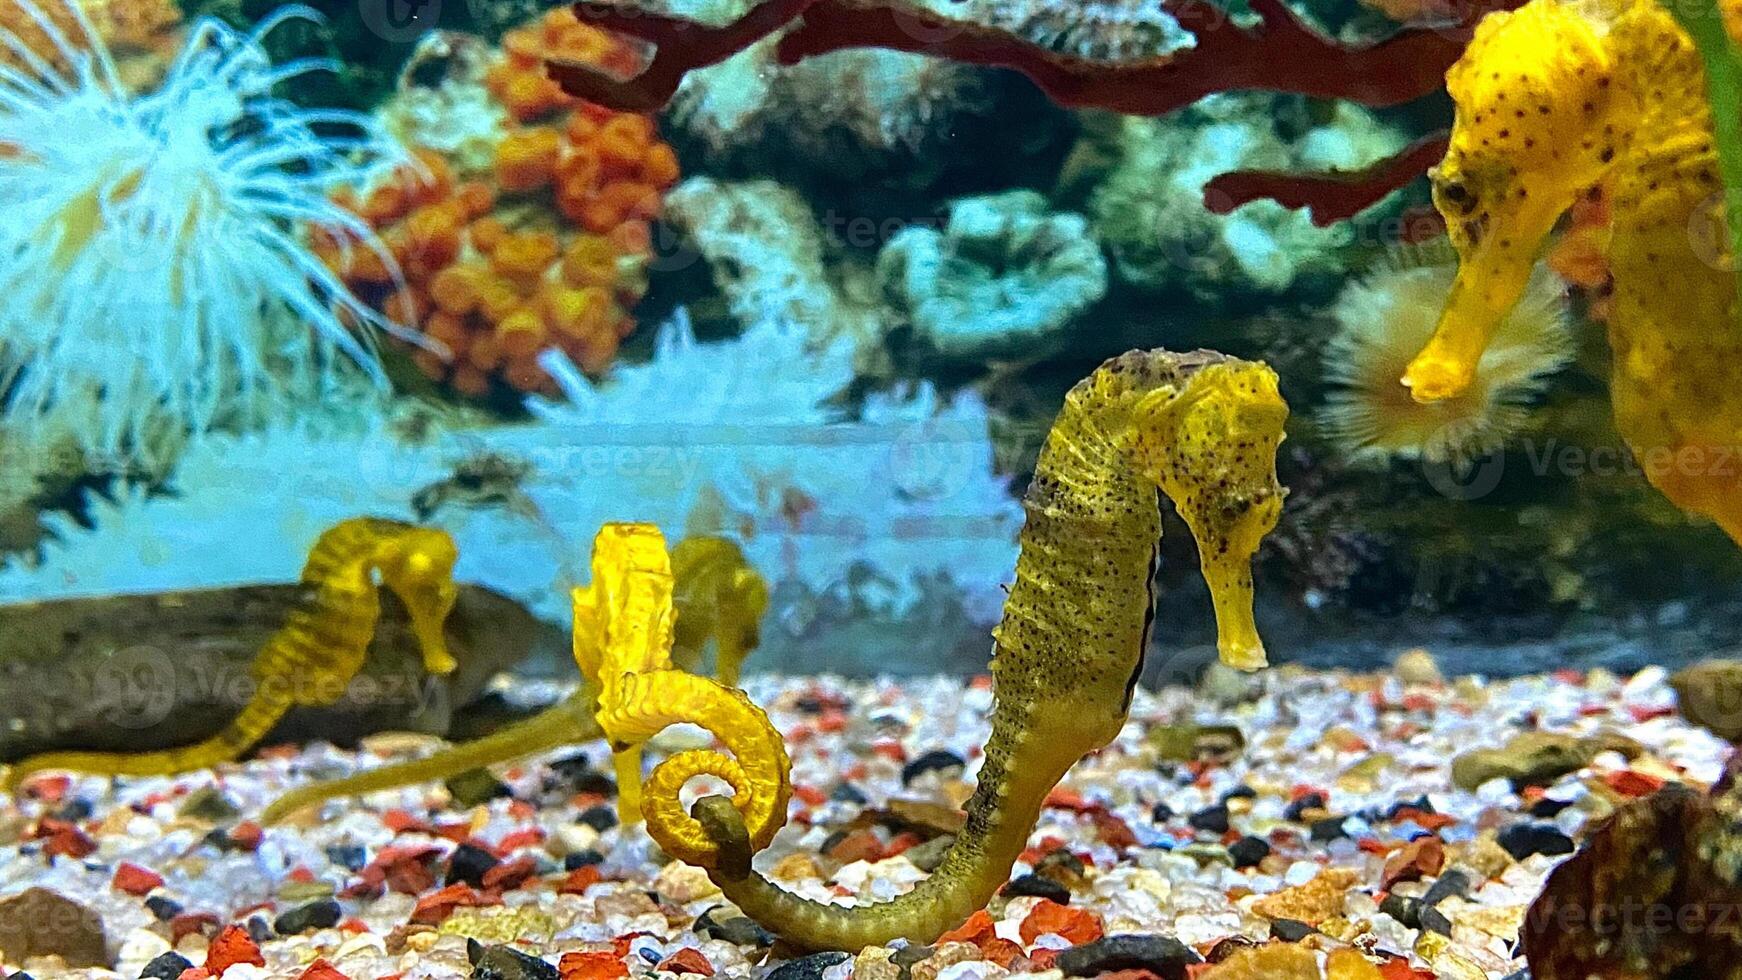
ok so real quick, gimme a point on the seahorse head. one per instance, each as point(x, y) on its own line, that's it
point(418, 566)
point(1538, 116)
point(1210, 444)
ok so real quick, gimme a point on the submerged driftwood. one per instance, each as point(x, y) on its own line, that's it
point(142, 672)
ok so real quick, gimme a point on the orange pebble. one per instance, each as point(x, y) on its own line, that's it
point(455, 289)
point(521, 334)
point(524, 255)
point(590, 260)
point(526, 160)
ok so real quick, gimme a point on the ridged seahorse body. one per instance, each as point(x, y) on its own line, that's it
point(1556, 98)
point(311, 659)
point(1203, 429)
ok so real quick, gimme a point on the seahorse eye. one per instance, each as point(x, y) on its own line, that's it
point(1453, 195)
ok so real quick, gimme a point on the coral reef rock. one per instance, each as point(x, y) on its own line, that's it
point(1149, 207)
point(1003, 277)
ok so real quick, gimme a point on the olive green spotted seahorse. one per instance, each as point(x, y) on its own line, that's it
point(322, 645)
point(1202, 428)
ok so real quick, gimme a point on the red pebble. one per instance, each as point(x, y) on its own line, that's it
point(135, 880)
point(514, 840)
point(321, 970)
point(597, 965)
point(1630, 782)
point(188, 923)
point(686, 960)
point(1398, 968)
point(1413, 861)
point(976, 930)
point(1112, 831)
point(63, 839)
point(810, 795)
point(232, 946)
point(434, 908)
point(1043, 959)
point(194, 973)
point(510, 874)
point(1643, 713)
point(49, 788)
point(858, 845)
point(247, 835)
point(1064, 799)
point(580, 879)
point(1000, 951)
point(1075, 925)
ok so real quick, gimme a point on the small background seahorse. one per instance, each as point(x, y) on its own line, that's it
point(1554, 99)
point(312, 658)
point(625, 623)
point(719, 597)
point(1201, 427)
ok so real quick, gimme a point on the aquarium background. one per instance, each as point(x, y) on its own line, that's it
point(826, 309)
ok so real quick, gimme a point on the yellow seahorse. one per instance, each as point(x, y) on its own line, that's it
point(624, 625)
point(1556, 98)
point(1201, 427)
point(719, 595)
point(322, 645)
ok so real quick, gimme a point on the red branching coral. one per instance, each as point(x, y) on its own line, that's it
point(1280, 53)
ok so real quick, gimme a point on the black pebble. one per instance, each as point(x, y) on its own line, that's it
point(257, 928)
point(468, 863)
point(322, 913)
point(932, 761)
point(1211, 818)
point(600, 818)
point(807, 967)
point(1453, 882)
point(1524, 839)
point(164, 909)
point(1228, 947)
point(1421, 803)
point(733, 928)
point(1328, 829)
point(1163, 956)
point(350, 856)
point(165, 966)
point(73, 811)
point(582, 859)
point(578, 772)
point(1241, 792)
point(1248, 851)
point(1404, 910)
point(1038, 887)
point(848, 793)
point(1547, 808)
point(1310, 801)
point(1433, 920)
point(1290, 930)
point(1161, 813)
point(506, 963)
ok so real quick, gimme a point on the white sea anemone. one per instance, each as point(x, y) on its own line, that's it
point(1384, 319)
point(154, 281)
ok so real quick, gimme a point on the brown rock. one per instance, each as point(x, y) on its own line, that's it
point(39, 922)
point(1415, 860)
point(1710, 695)
point(1652, 895)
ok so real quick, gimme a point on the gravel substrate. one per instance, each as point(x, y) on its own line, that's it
point(1336, 822)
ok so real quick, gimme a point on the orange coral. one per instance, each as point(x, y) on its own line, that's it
point(545, 248)
point(141, 34)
